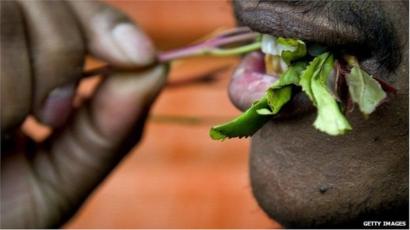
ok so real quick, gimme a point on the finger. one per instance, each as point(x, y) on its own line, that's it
point(58, 105)
point(111, 35)
point(98, 137)
point(15, 73)
point(57, 53)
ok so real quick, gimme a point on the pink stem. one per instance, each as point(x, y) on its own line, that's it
point(232, 39)
point(209, 44)
point(233, 31)
point(242, 34)
point(181, 53)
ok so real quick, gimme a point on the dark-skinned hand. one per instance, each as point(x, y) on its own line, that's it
point(43, 46)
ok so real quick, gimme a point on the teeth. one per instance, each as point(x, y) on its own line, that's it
point(283, 65)
point(270, 46)
point(271, 65)
point(274, 63)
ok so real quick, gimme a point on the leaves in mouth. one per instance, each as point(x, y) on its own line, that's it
point(245, 124)
point(261, 111)
point(315, 80)
point(280, 52)
point(298, 51)
point(307, 75)
point(281, 91)
point(365, 91)
point(329, 117)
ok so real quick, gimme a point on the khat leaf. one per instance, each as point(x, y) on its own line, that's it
point(298, 51)
point(281, 91)
point(312, 69)
point(365, 91)
point(329, 118)
point(261, 111)
point(277, 98)
point(245, 124)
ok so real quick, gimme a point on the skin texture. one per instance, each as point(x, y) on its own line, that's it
point(304, 178)
point(43, 44)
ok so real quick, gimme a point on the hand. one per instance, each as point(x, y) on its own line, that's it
point(43, 44)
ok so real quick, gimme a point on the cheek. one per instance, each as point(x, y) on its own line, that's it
point(303, 178)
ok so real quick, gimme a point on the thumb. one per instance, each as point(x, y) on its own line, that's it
point(111, 36)
point(97, 138)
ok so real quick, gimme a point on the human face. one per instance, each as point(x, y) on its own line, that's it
point(304, 178)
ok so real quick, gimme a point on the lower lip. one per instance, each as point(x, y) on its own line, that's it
point(249, 83)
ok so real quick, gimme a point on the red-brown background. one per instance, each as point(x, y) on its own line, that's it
point(178, 177)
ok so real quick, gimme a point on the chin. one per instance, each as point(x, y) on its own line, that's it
point(305, 179)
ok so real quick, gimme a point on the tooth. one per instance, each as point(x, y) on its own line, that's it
point(274, 65)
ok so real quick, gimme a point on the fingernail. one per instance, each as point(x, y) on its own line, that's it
point(58, 105)
point(134, 44)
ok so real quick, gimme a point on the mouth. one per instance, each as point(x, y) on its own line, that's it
point(250, 81)
point(307, 22)
point(259, 70)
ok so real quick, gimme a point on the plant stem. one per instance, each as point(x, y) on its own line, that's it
point(233, 31)
point(212, 47)
point(205, 47)
point(235, 51)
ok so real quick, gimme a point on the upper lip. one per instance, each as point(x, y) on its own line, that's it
point(282, 18)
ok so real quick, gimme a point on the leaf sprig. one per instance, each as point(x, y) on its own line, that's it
point(313, 78)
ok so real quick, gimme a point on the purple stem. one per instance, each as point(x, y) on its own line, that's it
point(214, 43)
point(209, 44)
point(181, 53)
point(230, 37)
point(233, 31)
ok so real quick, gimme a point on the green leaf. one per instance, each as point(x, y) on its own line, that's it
point(365, 91)
point(329, 118)
point(291, 76)
point(312, 70)
point(260, 112)
point(277, 98)
point(264, 111)
point(281, 91)
point(270, 45)
point(298, 51)
point(244, 125)
point(314, 83)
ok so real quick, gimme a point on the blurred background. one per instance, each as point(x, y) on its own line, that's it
point(178, 177)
